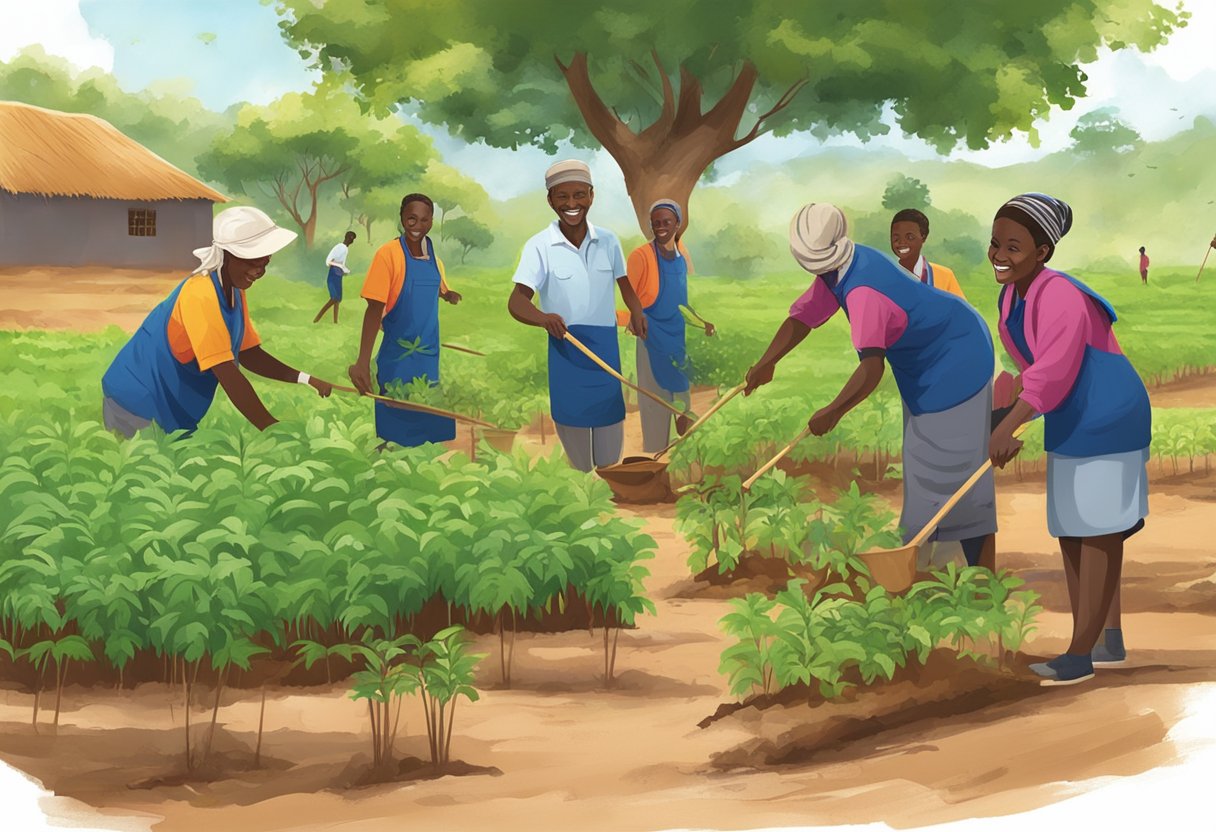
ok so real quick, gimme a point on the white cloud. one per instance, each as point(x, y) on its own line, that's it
point(58, 27)
point(1188, 51)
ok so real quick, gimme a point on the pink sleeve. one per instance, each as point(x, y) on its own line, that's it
point(816, 305)
point(875, 320)
point(1057, 339)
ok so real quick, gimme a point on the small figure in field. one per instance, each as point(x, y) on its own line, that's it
point(337, 270)
point(1144, 266)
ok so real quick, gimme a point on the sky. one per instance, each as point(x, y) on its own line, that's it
point(231, 51)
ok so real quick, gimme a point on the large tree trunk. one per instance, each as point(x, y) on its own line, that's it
point(666, 159)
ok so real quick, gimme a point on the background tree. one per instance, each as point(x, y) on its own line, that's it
point(452, 191)
point(905, 192)
point(163, 118)
point(470, 234)
point(303, 143)
point(635, 77)
point(1102, 131)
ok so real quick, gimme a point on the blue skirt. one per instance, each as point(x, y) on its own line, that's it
point(334, 281)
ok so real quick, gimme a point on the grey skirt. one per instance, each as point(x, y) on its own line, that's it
point(1089, 496)
point(941, 451)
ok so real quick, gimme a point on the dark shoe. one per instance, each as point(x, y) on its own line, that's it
point(1065, 669)
point(1109, 651)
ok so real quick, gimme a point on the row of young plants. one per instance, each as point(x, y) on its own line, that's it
point(214, 550)
point(780, 517)
point(843, 635)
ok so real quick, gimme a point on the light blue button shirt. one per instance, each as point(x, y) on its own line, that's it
point(577, 283)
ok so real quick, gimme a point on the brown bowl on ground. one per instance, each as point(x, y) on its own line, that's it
point(638, 480)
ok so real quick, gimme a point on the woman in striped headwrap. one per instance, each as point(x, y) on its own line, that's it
point(1097, 422)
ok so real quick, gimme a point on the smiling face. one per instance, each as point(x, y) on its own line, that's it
point(244, 273)
point(571, 201)
point(417, 218)
point(906, 241)
point(1013, 253)
point(664, 224)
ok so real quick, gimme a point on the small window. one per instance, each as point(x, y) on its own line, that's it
point(141, 222)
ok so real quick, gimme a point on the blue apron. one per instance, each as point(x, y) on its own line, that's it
point(945, 355)
point(414, 317)
point(665, 328)
point(147, 380)
point(334, 281)
point(1107, 411)
point(581, 394)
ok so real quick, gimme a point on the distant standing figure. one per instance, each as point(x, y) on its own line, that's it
point(337, 270)
point(909, 231)
point(1144, 266)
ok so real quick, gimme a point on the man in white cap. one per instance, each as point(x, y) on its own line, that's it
point(940, 352)
point(573, 266)
point(201, 337)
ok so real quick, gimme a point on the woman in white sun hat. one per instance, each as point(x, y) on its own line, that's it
point(201, 337)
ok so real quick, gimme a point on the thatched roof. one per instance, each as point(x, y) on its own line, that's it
point(51, 153)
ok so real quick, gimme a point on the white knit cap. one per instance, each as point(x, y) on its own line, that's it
point(818, 238)
point(244, 232)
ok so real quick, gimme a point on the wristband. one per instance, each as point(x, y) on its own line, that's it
point(304, 378)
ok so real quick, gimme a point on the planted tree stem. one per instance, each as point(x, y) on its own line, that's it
point(257, 751)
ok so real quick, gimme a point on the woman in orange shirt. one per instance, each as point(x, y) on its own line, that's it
point(658, 272)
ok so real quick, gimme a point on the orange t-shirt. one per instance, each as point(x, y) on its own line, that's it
point(642, 269)
point(386, 277)
point(196, 328)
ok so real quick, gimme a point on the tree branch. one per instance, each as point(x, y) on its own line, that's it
point(662, 125)
point(784, 101)
point(728, 112)
point(611, 132)
point(688, 114)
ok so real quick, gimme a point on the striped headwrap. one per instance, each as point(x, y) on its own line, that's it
point(1054, 216)
point(671, 205)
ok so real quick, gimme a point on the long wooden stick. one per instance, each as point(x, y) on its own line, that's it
point(734, 391)
point(459, 348)
point(1204, 263)
point(764, 469)
point(947, 506)
point(606, 367)
point(421, 408)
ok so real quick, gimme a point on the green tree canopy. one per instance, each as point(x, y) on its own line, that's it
point(1102, 131)
point(905, 192)
point(302, 143)
point(636, 76)
point(470, 234)
point(163, 118)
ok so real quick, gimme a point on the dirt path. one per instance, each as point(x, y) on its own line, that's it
point(79, 299)
point(580, 757)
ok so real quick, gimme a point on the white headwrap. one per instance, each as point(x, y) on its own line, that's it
point(818, 238)
point(245, 232)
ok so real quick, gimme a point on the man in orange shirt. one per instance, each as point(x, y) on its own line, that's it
point(909, 231)
point(201, 337)
point(402, 289)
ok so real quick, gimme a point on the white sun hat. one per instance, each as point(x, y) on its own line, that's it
point(245, 232)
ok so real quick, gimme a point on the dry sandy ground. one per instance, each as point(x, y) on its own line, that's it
point(83, 300)
point(579, 757)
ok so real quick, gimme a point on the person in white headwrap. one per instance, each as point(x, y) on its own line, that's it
point(658, 271)
point(1097, 422)
point(573, 266)
point(940, 353)
point(201, 337)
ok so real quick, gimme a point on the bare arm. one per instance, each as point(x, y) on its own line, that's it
point(637, 318)
point(856, 390)
point(522, 309)
point(790, 334)
point(242, 394)
point(257, 360)
point(361, 371)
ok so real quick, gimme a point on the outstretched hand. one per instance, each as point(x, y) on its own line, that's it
point(757, 376)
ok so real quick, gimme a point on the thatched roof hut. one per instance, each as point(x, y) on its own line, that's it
point(75, 191)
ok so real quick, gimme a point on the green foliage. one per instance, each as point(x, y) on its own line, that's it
point(1101, 131)
point(827, 641)
point(905, 192)
point(470, 233)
